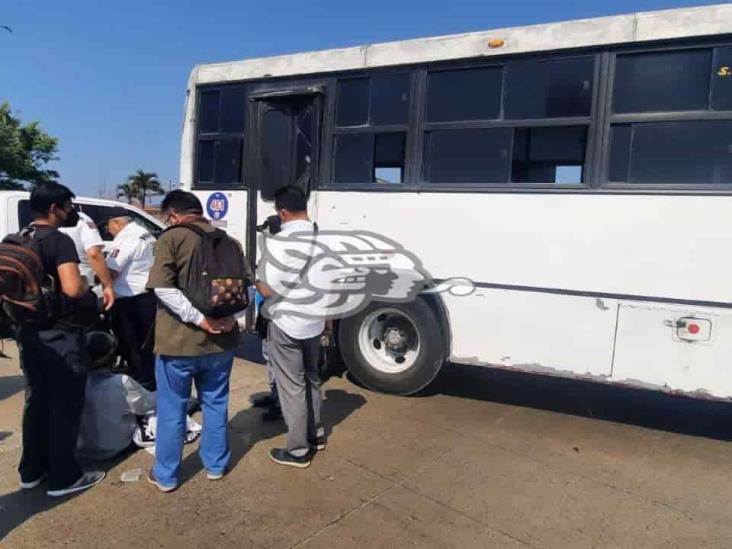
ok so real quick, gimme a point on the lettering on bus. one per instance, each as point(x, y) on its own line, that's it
point(724, 71)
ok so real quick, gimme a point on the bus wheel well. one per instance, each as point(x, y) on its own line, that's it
point(438, 307)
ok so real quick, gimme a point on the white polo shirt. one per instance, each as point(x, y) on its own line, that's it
point(85, 236)
point(131, 254)
point(295, 326)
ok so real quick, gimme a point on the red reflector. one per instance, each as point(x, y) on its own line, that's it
point(693, 329)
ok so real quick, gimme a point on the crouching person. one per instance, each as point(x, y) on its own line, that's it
point(52, 350)
point(192, 347)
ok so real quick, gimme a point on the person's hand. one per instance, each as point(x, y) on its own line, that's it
point(108, 297)
point(210, 325)
point(226, 324)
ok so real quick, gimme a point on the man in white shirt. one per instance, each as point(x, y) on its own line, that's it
point(130, 259)
point(294, 345)
point(90, 248)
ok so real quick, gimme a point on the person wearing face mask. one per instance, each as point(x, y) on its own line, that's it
point(53, 358)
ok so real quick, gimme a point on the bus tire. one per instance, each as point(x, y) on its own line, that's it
point(394, 348)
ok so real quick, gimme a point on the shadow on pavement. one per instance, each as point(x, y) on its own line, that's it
point(9, 385)
point(655, 410)
point(246, 428)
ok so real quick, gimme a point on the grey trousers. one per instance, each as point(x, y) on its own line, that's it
point(295, 365)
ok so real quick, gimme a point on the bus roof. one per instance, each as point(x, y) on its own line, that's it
point(620, 29)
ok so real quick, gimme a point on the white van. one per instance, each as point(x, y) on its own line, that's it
point(15, 213)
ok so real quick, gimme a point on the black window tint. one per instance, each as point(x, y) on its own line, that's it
point(275, 151)
point(546, 89)
point(468, 156)
point(471, 94)
point(233, 110)
point(722, 79)
point(354, 155)
point(548, 155)
point(205, 162)
point(697, 152)
point(98, 215)
point(389, 99)
point(619, 152)
point(228, 160)
point(389, 157)
point(25, 217)
point(667, 81)
point(208, 112)
point(353, 102)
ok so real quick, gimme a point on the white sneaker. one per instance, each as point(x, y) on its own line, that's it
point(215, 476)
point(87, 480)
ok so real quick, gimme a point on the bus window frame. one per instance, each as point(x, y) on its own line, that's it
point(599, 124)
point(213, 136)
point(610, 119)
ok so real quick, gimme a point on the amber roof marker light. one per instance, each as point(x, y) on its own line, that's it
point(494, 43)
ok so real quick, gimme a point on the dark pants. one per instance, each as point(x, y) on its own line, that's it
point(133, 321)
point(54, 365)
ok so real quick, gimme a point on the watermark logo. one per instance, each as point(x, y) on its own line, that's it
point(333, 274)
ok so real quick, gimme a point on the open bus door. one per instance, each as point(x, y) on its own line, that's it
point(284, 152)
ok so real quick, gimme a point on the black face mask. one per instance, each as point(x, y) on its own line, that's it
point(72, 218)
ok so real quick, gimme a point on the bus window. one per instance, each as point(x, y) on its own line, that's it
point(465, 94)
point(221, 126)
point(219, 160)
point(662, 81)
point(468, 156)
point(370, 158)
point(377, 101)
point(548, 155)
point(549, 89)
point(369, 144)
point(681, 152)
point(722, 79)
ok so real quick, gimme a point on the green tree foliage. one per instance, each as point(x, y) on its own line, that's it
point(139, 186)
point(25, 150)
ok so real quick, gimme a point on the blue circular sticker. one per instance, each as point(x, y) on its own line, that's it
point(217, 205)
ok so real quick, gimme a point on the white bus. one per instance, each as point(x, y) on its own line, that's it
point(580, 173)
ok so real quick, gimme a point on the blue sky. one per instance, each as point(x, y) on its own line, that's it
point(108, 78)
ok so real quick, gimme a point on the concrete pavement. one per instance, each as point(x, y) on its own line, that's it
point(482, 459)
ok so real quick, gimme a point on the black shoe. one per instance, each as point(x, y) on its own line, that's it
point(319, 443)
point(29, 485)
point(87, 480)
point(273, 414)
point(263, 401)
point(283, 457)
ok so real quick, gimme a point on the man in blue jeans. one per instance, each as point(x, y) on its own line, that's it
point(190, 348)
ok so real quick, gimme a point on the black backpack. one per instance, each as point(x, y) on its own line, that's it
point(27, 294)
point(216, 283)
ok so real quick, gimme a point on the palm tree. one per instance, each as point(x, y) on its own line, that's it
point(127, 191)
point(145, 183)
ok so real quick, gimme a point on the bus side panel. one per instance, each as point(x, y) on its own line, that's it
point(616, 245)
point(229, 213)
point(543, 333)
point(676, 349)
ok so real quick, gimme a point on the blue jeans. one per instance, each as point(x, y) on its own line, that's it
point(173, 376)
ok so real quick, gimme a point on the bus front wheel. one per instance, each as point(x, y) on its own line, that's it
point(393, 348)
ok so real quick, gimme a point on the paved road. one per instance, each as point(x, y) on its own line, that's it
point(483, 459)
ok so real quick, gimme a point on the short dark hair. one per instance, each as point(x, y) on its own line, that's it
point(181, 202)
point(291, 198)
point(44, 195)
